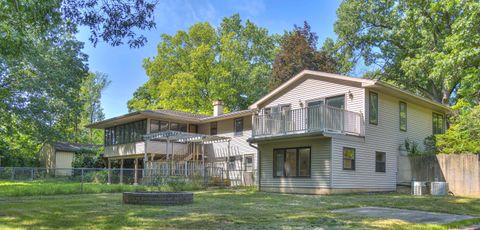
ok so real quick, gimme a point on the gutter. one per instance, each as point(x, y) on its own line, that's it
point(258, 164)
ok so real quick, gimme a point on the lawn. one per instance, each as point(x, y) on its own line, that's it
point(225, 209)
point(58, 187)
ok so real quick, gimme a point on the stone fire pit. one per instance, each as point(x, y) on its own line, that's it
point(158, 198)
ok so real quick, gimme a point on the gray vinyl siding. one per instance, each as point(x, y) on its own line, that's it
point(384, 137)
point(239, 147)
point(313, 88)
point(320, 164)
point(364, 175)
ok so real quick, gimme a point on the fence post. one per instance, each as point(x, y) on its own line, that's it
point(13, 173)
point(205, 177)
point(31, 174)
point(186, 168)
point(81, 183)
point(221, 178)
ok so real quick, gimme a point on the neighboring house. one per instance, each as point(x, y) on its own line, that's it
point(140, 138)
point(321, 133)
point(60, 155)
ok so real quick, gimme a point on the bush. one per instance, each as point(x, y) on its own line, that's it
point(411, 147)
point(96, 177)
point(87, 159)
point(464, 135)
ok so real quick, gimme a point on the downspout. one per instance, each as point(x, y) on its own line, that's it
point(258, 164)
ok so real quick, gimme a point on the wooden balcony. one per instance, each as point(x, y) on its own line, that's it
point(315, 119)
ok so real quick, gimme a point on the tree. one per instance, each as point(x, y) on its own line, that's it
point(463, 136)
point(298, 52)
point(110, 21)
point(428, 47)
point(39, 97)
point(42, 69)
point(195, 67)
point(92, 111)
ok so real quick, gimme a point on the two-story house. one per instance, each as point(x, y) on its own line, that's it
point(143, 138)
point(317, 133)
point(321, 133)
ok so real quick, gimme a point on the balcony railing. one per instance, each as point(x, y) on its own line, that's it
point(319, 118)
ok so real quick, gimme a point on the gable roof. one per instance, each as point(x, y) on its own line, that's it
point(364, 83)
point(73, 147)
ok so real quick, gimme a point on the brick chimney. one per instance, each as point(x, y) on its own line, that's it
point(217, 107)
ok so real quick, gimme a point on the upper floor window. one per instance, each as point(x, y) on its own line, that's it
point(380, 159)
point(193, 128)
point(125, 133)
point(160, 126)
point(238, 126)
point(373, 108)
point(213, 128)
point(438, 123)
point(291, 162)
point(174, 126)
point(348, 158)
point(403, 116)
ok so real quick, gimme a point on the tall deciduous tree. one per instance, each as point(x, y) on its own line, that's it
point(194, 67)
point(299, 52)
point(92, 111)
point(113, 22)
point(430, 47)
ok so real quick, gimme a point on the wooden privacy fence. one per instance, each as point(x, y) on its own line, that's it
point(461, 171)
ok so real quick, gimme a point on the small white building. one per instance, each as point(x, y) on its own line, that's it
point(60, 155)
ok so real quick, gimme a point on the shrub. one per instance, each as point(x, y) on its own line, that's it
point(411, 147)
point(464, 135)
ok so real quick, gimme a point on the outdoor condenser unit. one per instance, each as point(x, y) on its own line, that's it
point(417, 188)
point(439, 188)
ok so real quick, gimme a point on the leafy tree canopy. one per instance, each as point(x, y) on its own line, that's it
point(109, 21)
point(464, 134)
point(298, 52)
point(192, 68)
point(429, 47)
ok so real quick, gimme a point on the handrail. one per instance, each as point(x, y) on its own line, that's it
point(309, 119)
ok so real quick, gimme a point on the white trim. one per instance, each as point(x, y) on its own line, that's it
point(365, 83)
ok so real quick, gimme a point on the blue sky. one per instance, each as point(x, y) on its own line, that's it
point(123, 65)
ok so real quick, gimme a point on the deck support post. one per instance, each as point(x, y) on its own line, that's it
point(145, 159)
point(228, 161)
point(109, 180)
point(168, 156)
point(135, 173)
point(121, 171)
point(205, 179)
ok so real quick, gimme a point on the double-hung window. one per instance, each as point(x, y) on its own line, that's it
point(373, 108)
point(238, 126)
point(403, 116)
point(213, 128)
point(348, 158)
point(380, 159)
point(438, 123)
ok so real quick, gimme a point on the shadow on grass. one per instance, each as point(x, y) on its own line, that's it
point(225, 209)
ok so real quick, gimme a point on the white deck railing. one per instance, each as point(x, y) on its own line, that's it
point(309, 119)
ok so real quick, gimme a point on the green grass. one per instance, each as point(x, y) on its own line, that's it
point(223, 209)
point(36, 188)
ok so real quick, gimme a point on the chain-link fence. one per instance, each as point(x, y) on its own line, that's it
point(80, 180)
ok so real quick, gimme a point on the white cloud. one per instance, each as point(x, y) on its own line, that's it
point(251, 7)
point(184, 13)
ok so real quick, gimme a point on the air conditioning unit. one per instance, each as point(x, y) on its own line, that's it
point(418, 188)
point(439, 188)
